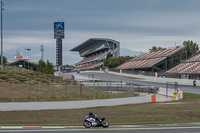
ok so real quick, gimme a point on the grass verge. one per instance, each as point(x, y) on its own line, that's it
point(184, 111)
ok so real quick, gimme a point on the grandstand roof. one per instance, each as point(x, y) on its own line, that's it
point(157, 54)
point(141, 63)
point(91, 41)
point(148, 60)
point(89, 66)
point(93, 58)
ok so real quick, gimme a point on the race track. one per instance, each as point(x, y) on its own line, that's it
point(182, 128)
point(185, 88)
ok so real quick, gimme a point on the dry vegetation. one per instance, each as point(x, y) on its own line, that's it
point(30, 86)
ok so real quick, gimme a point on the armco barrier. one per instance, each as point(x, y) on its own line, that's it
point(72, 104)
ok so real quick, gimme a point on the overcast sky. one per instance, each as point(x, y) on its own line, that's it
point(137, 24)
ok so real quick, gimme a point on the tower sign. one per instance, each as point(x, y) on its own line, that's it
point(59, 35)
point(59, 30)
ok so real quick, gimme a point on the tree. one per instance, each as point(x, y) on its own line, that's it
point(4, 60)
point(192, 48)
point(41, 67)
point(154, 49)
point(49, 67)
point(113, 62)
point(67, 65)
point(45, 67)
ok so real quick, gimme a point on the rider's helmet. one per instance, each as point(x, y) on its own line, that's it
point(90, 114)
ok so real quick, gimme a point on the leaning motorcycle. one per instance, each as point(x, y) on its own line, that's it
point(91, 122)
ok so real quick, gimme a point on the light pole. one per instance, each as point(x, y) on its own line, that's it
point(28, 49)
point(186, 54)
point(1, 36)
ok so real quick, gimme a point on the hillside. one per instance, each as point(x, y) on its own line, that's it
point(21, 76)
point(24, 85)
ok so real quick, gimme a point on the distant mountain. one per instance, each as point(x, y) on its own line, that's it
point(128, 52)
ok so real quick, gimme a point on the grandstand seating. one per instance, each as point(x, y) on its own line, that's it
point(141, 63)
point(95, 50)
point(93, 58)
point(161, 53)
point(89, 66)
point(150, 59)
point(190, 66)
point(194, 58)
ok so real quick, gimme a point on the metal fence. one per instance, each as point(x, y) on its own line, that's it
point(70, 90)
point(119, 88)
point(171, 85)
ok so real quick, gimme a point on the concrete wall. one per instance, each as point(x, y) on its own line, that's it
point(162, 91)
point(72, 104)
point(65, 75)
point(170, 93)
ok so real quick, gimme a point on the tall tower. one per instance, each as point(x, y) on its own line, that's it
point(42, 51)
point(59, 35)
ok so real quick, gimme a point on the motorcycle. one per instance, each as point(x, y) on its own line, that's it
point(91, 122)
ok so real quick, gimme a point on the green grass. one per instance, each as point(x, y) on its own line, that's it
point(190, 97)
point(184, 111)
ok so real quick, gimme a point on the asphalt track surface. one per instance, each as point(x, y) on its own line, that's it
point(184, 88)
point(140, 129)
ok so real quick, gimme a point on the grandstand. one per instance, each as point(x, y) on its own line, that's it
point(190, 66)
point(94, 51)
point(152, 61)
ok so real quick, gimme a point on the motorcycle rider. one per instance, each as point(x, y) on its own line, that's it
point(92, 115)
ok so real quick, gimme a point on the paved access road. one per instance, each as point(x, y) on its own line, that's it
point(185, 88)
point(151, 129)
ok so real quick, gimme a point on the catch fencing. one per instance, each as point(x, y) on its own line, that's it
point(71, 90)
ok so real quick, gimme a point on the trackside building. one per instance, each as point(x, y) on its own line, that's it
point(94, 51)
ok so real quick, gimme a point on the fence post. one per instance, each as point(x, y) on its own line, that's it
point(107, 88)
point(65, 87)
point(26, 88)
point(149, 90)
point(118, 89)
point(51, 88)
point(121, 86)
point(35, 95)
point(39, 88)
point(94, 90)
point(80, 89)
point(57, 94)
point(126, 90)
point(176, 86)
point(13, 95)
point(167, 89)
point(76, 93)
point(138, 90)
point(110, 91)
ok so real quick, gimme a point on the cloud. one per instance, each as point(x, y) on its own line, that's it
point(138, 25)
